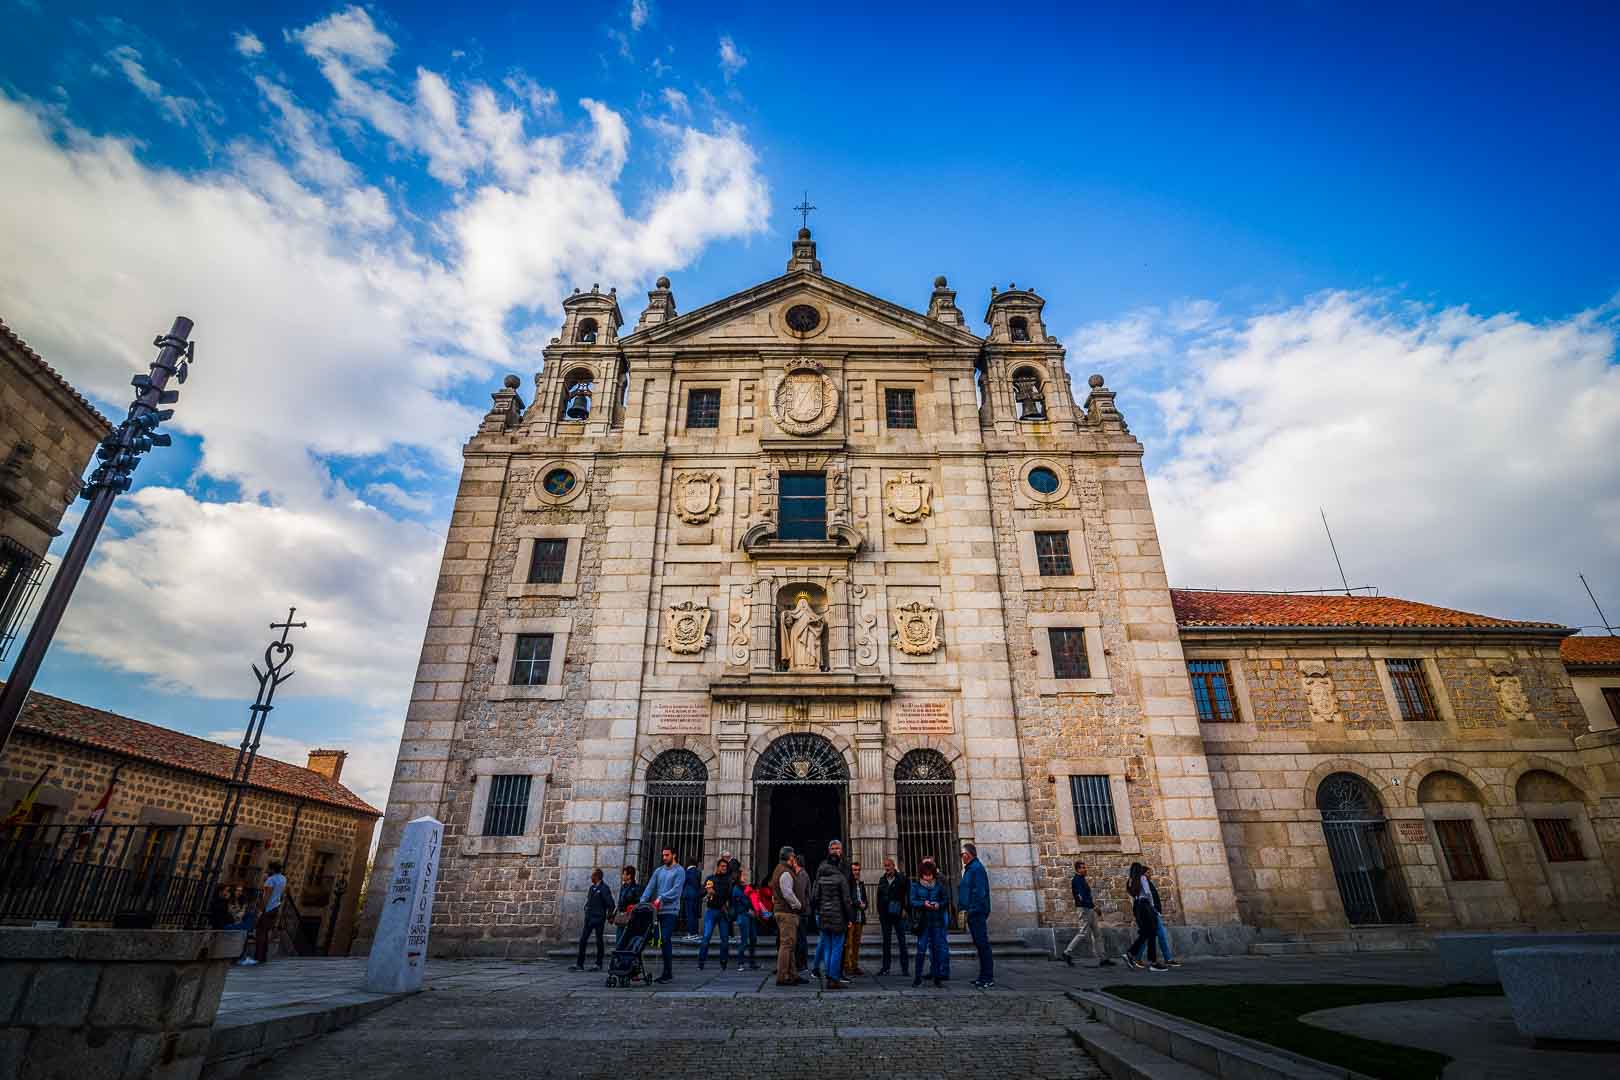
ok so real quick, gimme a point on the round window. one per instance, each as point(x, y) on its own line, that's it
point(1043, 480)
point(559, 482)
point(802, 318)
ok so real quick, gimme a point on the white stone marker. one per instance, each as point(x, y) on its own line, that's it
point(399, 951)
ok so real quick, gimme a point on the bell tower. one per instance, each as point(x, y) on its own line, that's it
point(1024, 386)
point(579, 391)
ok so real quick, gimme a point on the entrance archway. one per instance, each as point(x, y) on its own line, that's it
point(801, 798)
point(1364, 865)
point(673, 815)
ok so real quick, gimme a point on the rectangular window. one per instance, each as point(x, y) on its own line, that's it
point(900, 408)
point(1093, 806)
point(803, 513)
point(1411, 690)
point(546, 567)
point(1461, 848)
point(20, 575)
point(531, 660)
point(318, 880)
point(1611, 694)
point(703, 408)
point(1559, 839)
point(245, 862)
point(1069, 653)
point(1052, 554)
point(507, 812)
point(1212, 690)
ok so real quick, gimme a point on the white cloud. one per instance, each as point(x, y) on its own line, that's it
point(187, 112)
point(368, 770)
point(676, 101)
point(398, 496)
point(1462, 460)
point(731, 58)
point(640, 11)
point(541, 100)
point(247, 43)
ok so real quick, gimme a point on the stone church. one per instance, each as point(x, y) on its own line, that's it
point(803, 563)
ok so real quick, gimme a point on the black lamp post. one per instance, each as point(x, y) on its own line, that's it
point(338, 889)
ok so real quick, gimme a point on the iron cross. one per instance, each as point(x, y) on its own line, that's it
point(288, 626)
point(803, 210)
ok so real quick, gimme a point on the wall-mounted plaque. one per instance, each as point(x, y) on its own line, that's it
point(680, 718)
point(920, 718)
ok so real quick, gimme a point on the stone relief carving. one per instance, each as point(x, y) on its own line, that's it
point(908, 497)
point(1319, 696)
point(805, 401)
point(1510, 695)
point(801, 630)
point(742, 612)
point(866, 648)
point(686, 628)
point(916, 628)
point(697, 496)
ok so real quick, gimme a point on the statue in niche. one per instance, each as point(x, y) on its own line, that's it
point(801, 632)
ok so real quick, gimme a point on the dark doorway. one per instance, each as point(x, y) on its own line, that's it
point(1364, 865)
point(807, 818)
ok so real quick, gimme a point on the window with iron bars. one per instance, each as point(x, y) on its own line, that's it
point(1069, 660)
point(1093, 806)
point(546, 566)
point(703, 408)
point(1411, 690)
point(1052, 554)
point(1461, 849)
point(20, 576)
point(899, 408)
point(1212, 690)
point(531, 660)
point(507, 811)
point(1559, 840)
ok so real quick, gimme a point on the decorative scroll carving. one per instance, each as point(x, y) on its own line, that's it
point(742, 613)
point(866, 649)
point(696, 496)
point(916, 628)
point(686, 628)
point(805, 401)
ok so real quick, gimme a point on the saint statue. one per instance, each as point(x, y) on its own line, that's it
point(801, 635)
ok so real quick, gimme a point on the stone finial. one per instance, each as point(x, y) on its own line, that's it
point(1095, 382)
point(804, 254)
point(511, 382)
point(1100, 409)
point(505, 410)
point(942, 304)
point(660, 306)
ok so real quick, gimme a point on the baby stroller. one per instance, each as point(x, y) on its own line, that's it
point(626, 968)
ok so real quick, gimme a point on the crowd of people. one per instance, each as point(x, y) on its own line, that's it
point(234, 906)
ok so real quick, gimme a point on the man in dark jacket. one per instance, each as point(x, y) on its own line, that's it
point(893, 896)
point(832, 900)
point(801, 888)
point(973, 897)
point(1158, 909)
point(717, 913)
point(1087, 907)
point(598, 908)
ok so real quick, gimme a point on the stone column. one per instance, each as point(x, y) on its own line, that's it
point(867, 819)
point(731, 737)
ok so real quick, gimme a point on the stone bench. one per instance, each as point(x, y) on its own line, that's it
point(1466, 958)
point(1569, 992)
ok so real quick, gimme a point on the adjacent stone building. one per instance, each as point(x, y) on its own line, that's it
point(803, 563)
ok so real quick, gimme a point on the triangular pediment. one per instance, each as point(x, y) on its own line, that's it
point(848, 317)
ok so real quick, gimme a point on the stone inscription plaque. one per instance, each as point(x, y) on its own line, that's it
point(921, 718)
point(680, 718)
point(1412, 832)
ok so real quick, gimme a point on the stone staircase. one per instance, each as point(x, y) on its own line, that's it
point(1352, 940)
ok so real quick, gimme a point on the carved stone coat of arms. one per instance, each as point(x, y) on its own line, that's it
point(805, 401)
point(908, 497)
point(696, 496)
point(916, 628)
point(686, 628)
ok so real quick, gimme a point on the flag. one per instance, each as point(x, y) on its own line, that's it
point(25, 805)
point(87, 831)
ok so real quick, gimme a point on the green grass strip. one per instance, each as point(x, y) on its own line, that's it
point(1270, 1014)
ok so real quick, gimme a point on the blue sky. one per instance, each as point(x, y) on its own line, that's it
point(1329, 255)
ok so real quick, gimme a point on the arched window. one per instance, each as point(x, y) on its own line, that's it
point(1449, 802)
point(1557, 813)
point(577, 389)
point(586, 334)
point(677, 801)
point(1018, 328)
point(1028, 394)
point(801, 757)
point(1358, 841)
point(925, 812)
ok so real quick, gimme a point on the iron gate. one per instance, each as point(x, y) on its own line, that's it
point(677, 803)
point(925, 815)
point(1358, 841)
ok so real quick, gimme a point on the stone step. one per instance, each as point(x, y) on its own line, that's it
point(871, 948)
point(1123, 1058)
point(1320, 942)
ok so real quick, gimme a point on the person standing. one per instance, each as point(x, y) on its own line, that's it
point(832, 913)
point(1147, 921)
point(801, 886)
point(629, 891)
point(745, 914)
point(665, 887)
point(973, 897)
point(717, 912)
point(598, 906)
point(1162, 934)
point(929, 905)
point(1087, 908)
point(275, 887)
point(893, 901)
point(789, 904)
point(692, 903)
point(857, 922)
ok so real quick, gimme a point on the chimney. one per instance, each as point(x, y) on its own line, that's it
point(329, 763)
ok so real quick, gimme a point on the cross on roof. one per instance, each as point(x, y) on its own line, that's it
point(288, 626)
point(803, 210)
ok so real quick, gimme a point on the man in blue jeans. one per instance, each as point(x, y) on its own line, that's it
point(664, 887)
point(717, 912)
point(973, 897)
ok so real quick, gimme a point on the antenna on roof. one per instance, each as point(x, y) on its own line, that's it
point(1604, 619)
point(1342, 579)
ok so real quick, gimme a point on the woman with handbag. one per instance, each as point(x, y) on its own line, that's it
point(930, 906)
point(629, 895)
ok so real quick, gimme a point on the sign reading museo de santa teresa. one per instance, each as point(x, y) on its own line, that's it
point(399, 951)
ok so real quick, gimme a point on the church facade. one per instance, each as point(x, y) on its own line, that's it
point(804, 564)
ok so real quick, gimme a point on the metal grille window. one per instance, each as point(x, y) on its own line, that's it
point(703, 408)
point(1069, 659)
point(1052, 554)
point(20, 577)
point(1611, 695)
point(803, 513)
point(1461, 849)
point(677, 803)
point(531, 660)
point(1560, 840)
point(1411, 690)
point(1212, 690)
point(900, 408)
point(925, 811)
point(546, 566)
point(1093, 806)
point(507, 811)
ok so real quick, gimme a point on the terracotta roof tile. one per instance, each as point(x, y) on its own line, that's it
point(1197, 607)
point(57, 718)
point(1591, 649)
point(10, 335)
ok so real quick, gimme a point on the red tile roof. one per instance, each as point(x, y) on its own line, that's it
point(56, 718)
point(1196, 607)
point(1591, 649)
point(21, 346)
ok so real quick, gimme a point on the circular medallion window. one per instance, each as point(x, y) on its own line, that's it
point(802, 318)
point(1043, 480)
point(559, 482)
